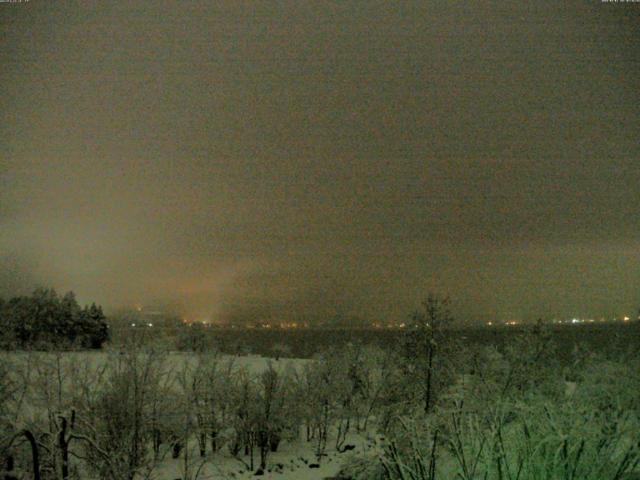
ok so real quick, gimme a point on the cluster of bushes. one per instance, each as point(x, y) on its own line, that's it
point(45, 320)
point(518, 413)
point(117, 417)
point(429, 409)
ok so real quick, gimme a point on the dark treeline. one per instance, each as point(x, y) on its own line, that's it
point(45, 320)
point(305, 343)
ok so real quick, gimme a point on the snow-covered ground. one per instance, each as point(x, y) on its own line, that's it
point(293, 461)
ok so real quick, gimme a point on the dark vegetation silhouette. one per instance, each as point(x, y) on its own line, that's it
point(45, 320)
point(424, 339)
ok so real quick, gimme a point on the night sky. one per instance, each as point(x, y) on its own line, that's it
point(317, 159)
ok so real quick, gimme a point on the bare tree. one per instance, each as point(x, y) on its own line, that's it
point(115, 425)
point(427, 328)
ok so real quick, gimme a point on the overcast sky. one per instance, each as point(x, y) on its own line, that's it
point(313, 158)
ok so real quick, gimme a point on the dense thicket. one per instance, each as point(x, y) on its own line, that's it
point(423, 409)
point(46, 320)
